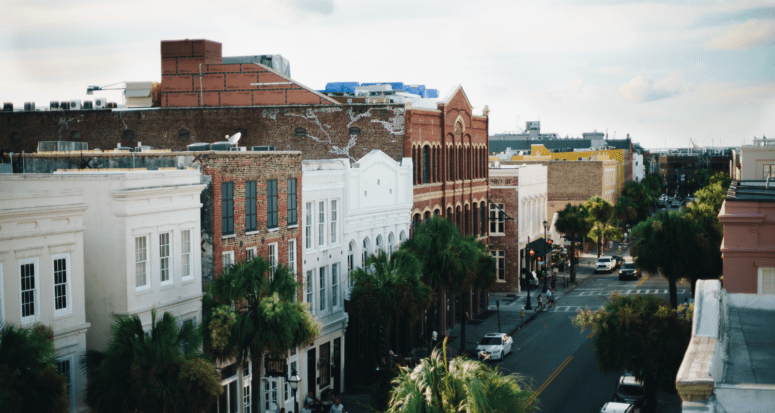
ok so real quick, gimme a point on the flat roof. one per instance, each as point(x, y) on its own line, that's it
point(751, 191)
point(751, 346)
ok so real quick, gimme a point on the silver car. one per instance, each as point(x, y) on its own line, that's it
point(494, 345)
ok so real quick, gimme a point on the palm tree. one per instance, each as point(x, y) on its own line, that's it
point(625, 210)
point(28, 379)
point(573, 221)
point(600, 214)
point(389, 289)
point(268, 316)
point(479, 269)
point(437, 243)
point(438, 385)
point(157, 371)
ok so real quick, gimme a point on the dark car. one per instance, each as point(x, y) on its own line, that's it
point(629, 271)
point(629, 390)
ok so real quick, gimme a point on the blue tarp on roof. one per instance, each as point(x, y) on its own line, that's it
point(431, 93)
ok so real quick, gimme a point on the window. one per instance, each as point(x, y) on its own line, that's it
point(292, 256)
point(426, 161)
point(227, 208)
point(271, 203)
point(250, 253)
point(64, 368)
point(391, 244)
point(292, 219)
point(325, 365)
point(228, 258)
point(250, 206)
point(62, 296)
point(186, 258)
point(365, 252)
point(164, 257)
point(273, 256)
point(333, 222)
point(334, 285)
point(29, 289)
point(354, 131)
point(401, 237)
point(766, 280)
point(500, 265)
point(300, 132)
point(476, 219)
point(497, 221)
point(141, 262)
point(767, 171)
point(246, 373)
point(321, 223)
point(310, 290)
point(482, 215)
point(351, 260)
point(308, 225)
point(322, 281)
point(183, 134)
point(378, 245)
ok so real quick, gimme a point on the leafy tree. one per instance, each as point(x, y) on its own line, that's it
point(641, 197)
point(601, 214)
point(158, 372)
point(667, 245)
point(625, 210)
point(438, 385)
point(28, 378)
point(479, 274)
point(389, 289)
point(267, 317)
point(573, 221)
point(641, 334)
point(438, 244)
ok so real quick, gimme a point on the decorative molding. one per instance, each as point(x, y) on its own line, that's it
point(60, 248)
point(28, 252)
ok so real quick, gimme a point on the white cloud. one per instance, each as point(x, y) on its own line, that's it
point(644, 89)
point(744, 36)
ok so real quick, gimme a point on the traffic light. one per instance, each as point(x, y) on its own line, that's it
point(539, 258)
point(550, 242)
point(532, 253)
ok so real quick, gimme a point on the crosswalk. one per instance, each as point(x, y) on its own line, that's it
point(625, 292)
point(571, 308)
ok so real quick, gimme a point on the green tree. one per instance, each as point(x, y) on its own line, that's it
point(479, 273)
point(439, 385)
point(438, 244)
point(158, 372)
point(625, 210)
point(642, 334)
point(28, 378)
point(268, 317)
point(601, 214)
point(641, 197)
point(573, 221)
point(653, 185)
point(667, 245)
point(388, 290)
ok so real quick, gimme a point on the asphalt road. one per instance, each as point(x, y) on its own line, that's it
point(558, 359)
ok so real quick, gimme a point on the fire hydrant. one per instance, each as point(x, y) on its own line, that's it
point(523, 311)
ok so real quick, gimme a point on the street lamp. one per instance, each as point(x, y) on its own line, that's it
point(528, 306)
point(545, 286)
point(293, 381)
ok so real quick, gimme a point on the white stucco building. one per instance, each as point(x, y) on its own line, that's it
point(638, 168)
point(141, 234)
point(755, 161)
point(42, 268)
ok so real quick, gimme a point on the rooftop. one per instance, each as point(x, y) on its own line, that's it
point(751, 346)
point(752, 191)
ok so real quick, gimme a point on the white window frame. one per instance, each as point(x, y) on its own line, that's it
point(391, 244)
point(146, 262)
point(334, 212)
point(70, 379)
point(335, 267)
point(760, 282)
point(292, 256)
point(308, 227)
point(251, 253)
point(224, 261)
point(497, 219)
point(187, 258)
point(271, 256)
point(309, 294)
point(378, 245)
point(365, 251)
point(321, 224)
point(246, 383)
point(68, 308)
point(322, 274)
point(36, 290)
point(497, 254)
point(170, 269)
point(351, 260)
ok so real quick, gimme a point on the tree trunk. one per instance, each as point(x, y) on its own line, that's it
point(255, 380)
point(673, 293)
point(650, 387)
point(463, 308)
point(599, 246)
point(572, 259)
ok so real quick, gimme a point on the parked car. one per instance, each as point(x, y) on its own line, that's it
point(629, 390)
point(629, 271)
point(496, 345)
point(605, 264)
point(616, 407)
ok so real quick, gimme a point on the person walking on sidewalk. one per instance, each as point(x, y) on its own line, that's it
point(550, 298)
point(540, 304)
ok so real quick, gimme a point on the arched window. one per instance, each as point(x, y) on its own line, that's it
point(475, 215)
point(457, 217)
point(426, 216)
point(391, 244)
point(183, 134)
point(466, 220)
point(436, 212)
point(415, 222)
point(482, 219)
point(449, 213)
point(460, 164)
point(414, 165)
point(378, 249)
point(451, 163)
point(401, 237)
point(426, 167)
point(365, 252)
point(299, 132)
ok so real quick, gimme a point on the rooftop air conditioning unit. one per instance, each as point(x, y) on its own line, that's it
point(54, 104)
point(75, 105)
point(7, 107)
point(198, 147)
point(29, 106)
point(263, 148)
point(64, 105)
point(100, 103)
point(87, 104)
point(221, 146)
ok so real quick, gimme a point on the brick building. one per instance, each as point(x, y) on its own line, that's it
point(684, 173)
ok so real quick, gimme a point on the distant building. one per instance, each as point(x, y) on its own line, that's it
point(532, 132)
point(728, 364)
point(386, 92)
point(638, 167)
point(684, 171)
point(755, 161)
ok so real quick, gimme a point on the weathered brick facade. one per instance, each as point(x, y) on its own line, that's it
point(505, 190)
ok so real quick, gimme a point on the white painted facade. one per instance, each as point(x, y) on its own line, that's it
point(638, 168)
point(141, 234)
point(533, 195)
point(758, 160)
point(42, 269)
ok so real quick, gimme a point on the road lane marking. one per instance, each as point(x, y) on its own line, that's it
point(592, 334)
point(643, 280)
point(550, 379)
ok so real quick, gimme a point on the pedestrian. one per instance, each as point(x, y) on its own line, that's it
point(337, 407)
point(540, 303)
point(549, 298)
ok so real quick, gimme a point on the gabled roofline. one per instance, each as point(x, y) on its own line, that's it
point(307, 88)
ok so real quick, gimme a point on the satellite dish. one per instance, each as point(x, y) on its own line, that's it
point(235, 138)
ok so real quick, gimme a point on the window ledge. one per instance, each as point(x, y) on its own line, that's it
point(167, 285)
point(228, 236)
point(497, 234)
point(275, 229)
point(187, 280)
point(500, 281)
point(252, 232)
point(143, 290)
point(294, 226)
point(63, 313)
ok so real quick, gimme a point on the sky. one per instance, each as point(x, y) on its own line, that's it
point(663, 72)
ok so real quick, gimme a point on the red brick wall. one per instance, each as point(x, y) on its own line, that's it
point(509, 242)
